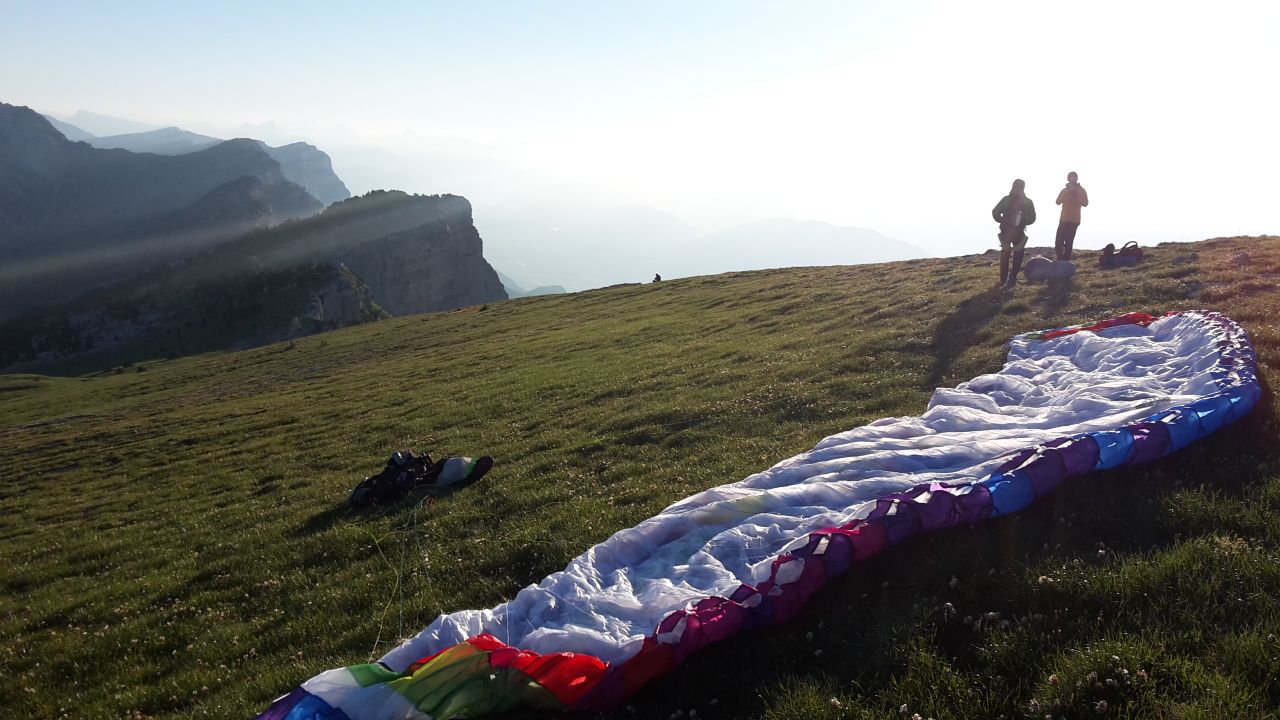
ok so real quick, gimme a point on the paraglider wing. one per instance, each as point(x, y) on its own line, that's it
point(1067, 402)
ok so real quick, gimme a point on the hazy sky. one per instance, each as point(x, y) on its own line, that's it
point(910, 118)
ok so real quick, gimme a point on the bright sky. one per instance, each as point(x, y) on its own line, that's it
point(910, 118)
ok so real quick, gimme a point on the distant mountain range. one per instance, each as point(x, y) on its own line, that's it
point(165, 141)
point(515, 290)
point(301, 163)
point(104, 125)
point(73, 216)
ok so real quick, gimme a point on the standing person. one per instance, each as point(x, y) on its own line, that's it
point(1014, 212)
point(1071, 198)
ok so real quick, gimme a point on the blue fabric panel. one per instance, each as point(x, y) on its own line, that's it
point(1010, 493)
point(1115, 447)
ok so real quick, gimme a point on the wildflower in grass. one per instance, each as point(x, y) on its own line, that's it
point(836, 704)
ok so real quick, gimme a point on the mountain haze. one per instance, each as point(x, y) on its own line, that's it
point(165, 141)
point(100, 125)
point(608, 245)
point(71, 132)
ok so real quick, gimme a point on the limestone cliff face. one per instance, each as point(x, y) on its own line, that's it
point(339, 300)
point(353, 263)
point(248, 311)
point(310, 167)
point(438, 266)
point(416, 253)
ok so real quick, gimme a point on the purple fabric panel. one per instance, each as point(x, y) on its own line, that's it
point(1079, 454)
point(1045, 470)
point(1150, 442)
point(1015, 461)
point(815, 541)
point(839, 553)
point(973, 503)
point(937, 509)
point(900, 519)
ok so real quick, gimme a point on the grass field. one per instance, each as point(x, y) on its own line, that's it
point(174, 541)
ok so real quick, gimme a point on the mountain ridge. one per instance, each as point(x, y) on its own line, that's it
point(64, 203)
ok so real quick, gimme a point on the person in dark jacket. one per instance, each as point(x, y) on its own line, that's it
point(1071, 198)
point(1014, 212)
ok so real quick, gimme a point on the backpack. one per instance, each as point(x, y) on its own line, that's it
point(406, 472)
point(1126, 256)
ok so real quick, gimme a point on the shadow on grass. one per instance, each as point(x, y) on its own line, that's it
point(954, 333)
point(1053, 297)
point(424, 495)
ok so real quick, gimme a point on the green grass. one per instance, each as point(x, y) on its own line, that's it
point(174, 544)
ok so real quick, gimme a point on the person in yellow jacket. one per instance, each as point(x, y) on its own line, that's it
point(1071, 198)
point(1014, 212)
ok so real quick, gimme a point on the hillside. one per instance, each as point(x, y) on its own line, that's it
point(175, 541)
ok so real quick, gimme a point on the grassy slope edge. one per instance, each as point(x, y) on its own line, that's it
point(174, 544)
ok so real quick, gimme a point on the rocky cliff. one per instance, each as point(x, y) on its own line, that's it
point(310, 167)
point(416, 253)
point(247, 311)
point(357, 261)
